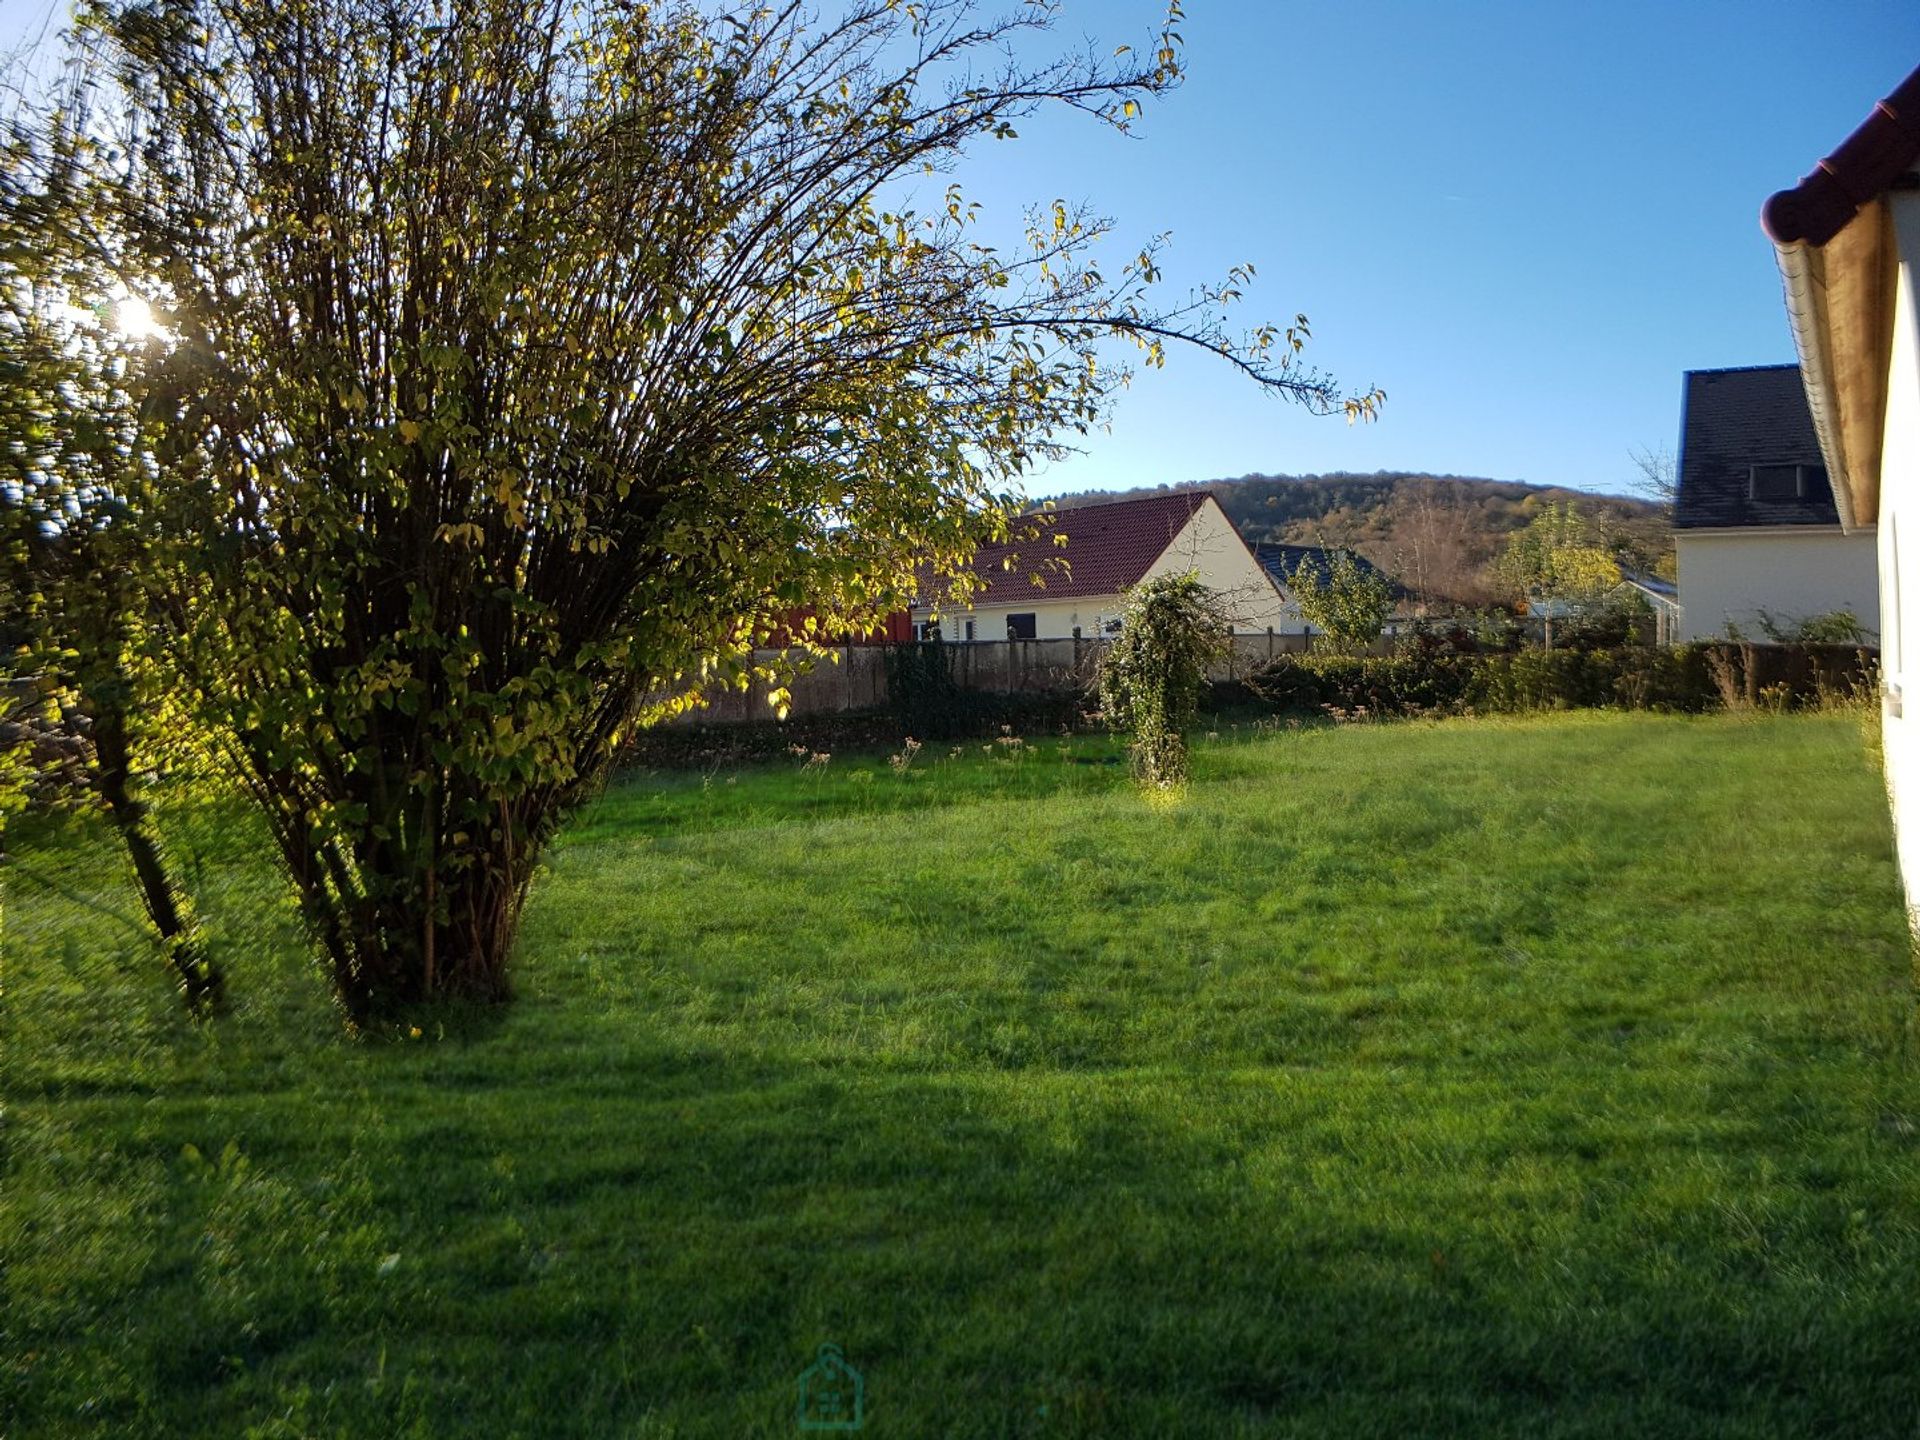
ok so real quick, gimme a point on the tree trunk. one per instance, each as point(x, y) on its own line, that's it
point(415, 916)
point(167, 906)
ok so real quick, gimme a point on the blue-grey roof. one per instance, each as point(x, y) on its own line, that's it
point(1281, 561)
point(1652, 584)
point(1733, 420)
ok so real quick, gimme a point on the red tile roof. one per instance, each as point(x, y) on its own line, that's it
point(1109, 547)
point(1867, 163)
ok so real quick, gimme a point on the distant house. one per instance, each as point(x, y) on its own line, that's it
point(1038, 589)
point(1662, 597)
point(1283, 562)
point(1848, 241)
point(1756, 534)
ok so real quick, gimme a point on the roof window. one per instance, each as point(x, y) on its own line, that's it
point(1785, 482)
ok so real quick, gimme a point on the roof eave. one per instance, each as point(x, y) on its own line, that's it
point(1840, 306)
point(1879, 151)
point(1832, 236)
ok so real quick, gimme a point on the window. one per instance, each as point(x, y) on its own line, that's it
point(1022, 627)
point(1785, 482)
point(930, 631)
point(969, 629)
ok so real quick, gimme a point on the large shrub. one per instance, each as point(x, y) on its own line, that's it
point(528, 361)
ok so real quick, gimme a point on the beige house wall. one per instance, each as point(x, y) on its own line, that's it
point(1211, 548)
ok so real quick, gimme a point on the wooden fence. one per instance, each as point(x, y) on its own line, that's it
point(855, 677)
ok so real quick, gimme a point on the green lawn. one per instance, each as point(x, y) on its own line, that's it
point(1479, 1078)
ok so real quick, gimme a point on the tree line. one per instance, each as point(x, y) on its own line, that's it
point(1438, 535)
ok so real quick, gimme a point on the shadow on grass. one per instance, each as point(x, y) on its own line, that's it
point(657, 1242)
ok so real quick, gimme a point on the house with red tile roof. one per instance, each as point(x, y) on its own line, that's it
point(1848, 241)
point(1068, 576)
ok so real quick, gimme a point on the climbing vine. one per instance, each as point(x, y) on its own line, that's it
point(1151, 679)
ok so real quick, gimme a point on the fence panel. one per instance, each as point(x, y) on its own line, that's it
point(855, 677)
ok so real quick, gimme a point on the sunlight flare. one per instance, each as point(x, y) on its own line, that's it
point(135, 319)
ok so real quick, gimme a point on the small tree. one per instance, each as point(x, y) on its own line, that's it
point(1556, 560)
point(1350, 602)
point(1156, 668)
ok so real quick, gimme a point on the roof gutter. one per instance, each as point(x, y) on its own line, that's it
point(1803, 279)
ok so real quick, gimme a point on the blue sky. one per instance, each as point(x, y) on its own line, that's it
point(1523, 220)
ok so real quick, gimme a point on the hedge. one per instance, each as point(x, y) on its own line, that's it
point(1686, 678)
point(1680, 678)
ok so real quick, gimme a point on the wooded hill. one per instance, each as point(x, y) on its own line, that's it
point(1433, 533)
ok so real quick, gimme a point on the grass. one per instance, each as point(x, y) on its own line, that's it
point(1499, 1078)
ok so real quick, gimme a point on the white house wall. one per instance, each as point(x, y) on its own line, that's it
point(1728, 577)
point(1899, 540)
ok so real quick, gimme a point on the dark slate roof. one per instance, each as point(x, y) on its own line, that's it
point(1109, 547)
point(1281, 561)
point(1732, 420)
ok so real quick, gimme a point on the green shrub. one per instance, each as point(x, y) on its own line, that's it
point(1416, 681)
point(1620, 620)
point(926, 699)
point(1830, 627)
point(1156, 669)
point(1627, 677)
point(1533, 680)
point(1662, 677)
point(1402, 684)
